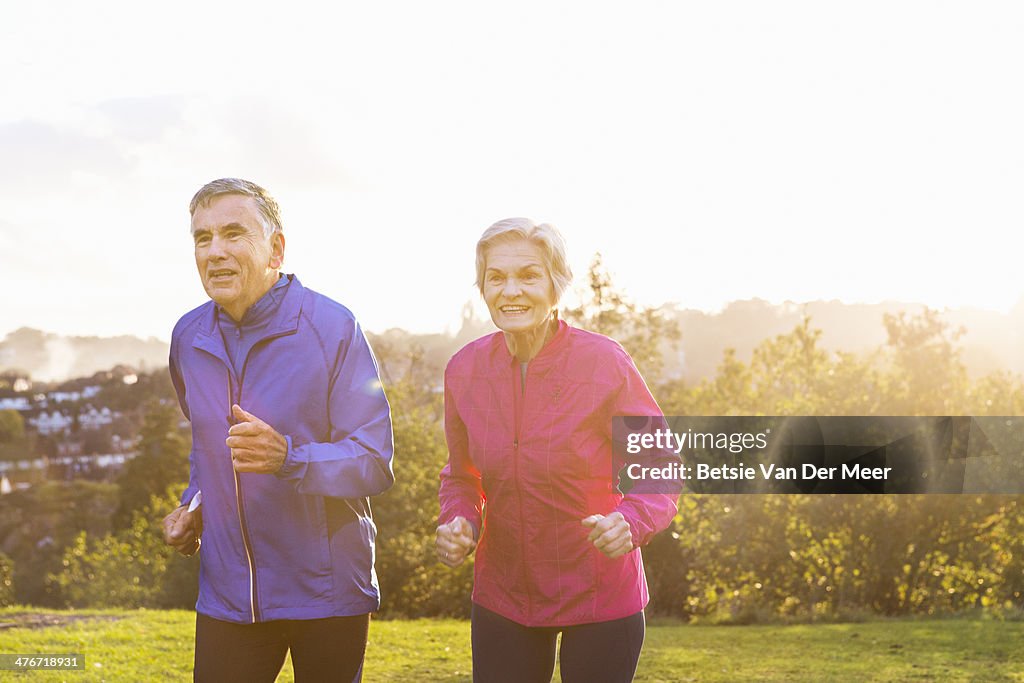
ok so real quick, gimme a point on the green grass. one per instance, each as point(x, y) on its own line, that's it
point(157, 646)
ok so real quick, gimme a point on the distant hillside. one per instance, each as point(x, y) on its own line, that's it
point(51, 357)
point(993, 341)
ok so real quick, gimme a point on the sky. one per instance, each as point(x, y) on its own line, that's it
point(710, 152)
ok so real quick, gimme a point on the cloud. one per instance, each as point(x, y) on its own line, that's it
point(269, 138)
point(105, 140)
point(40, 155)
point(142, 119)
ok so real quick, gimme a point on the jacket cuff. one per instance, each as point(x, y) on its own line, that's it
point(291, 465)
point(187, 495)
point(470, 516)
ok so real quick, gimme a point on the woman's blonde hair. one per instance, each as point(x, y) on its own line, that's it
point(544, 235)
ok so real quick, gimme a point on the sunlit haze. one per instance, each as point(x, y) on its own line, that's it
point(710, 151)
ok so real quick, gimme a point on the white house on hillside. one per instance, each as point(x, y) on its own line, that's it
point(16, 403)
point(94, 419)
point(51, 423)
point(62, 396)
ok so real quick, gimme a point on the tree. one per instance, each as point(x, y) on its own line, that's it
point(161, 461)
point(13, 441)
point(406, 515)
point(37, 524)
point(643, 331)
point(130, 568)
point(746, 557)
point(788, 375)
point(6, 581)
point(12, 426)
point(926, 375)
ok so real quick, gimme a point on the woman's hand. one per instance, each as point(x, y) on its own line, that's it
point(455, 542)
point(609, 534)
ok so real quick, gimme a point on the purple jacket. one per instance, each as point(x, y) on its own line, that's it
point(298, 544)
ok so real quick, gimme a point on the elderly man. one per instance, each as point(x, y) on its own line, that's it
point(291, 434)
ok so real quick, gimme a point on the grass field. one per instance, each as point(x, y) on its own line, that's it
point(157, 646)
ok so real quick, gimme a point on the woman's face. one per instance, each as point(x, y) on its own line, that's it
point(517, 287)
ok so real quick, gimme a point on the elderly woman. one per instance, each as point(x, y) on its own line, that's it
point(528, 414)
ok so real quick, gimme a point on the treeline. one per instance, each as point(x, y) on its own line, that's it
point(728, 558)
point(761, 557)
point(743, 558)
point(85, 543)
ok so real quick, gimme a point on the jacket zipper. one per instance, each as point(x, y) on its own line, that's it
point(246, 541)
point(519, 398)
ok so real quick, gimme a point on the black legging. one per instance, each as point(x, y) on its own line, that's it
point(322, 649)
point(602, 652)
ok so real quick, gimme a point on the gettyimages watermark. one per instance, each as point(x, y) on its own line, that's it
point(853, 455)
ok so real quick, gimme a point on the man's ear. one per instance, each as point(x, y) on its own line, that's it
point(276, 250)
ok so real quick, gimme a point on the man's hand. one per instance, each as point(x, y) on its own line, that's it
point(609, 534)
point(255, 445)
point(183, 529)
point(454, 542)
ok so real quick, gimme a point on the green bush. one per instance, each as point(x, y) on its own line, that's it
point(6, 581)
point(413, 583)
point(36, 525)
point(128, 568)
point(749, 558)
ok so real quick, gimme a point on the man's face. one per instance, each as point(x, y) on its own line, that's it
point(237, 262)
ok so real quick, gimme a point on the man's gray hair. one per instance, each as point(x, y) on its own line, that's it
point(270, 212)
point(544, 235)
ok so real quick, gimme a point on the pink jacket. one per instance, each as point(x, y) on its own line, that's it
point(531, 464)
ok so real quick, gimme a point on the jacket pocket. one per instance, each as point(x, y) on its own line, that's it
point(290, 549)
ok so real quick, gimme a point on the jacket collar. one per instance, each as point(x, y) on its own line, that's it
point(285, 321)
point(548, 354)
point(260, 312)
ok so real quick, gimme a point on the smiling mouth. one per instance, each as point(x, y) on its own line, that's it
point(514, 309)
point(220, 274)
